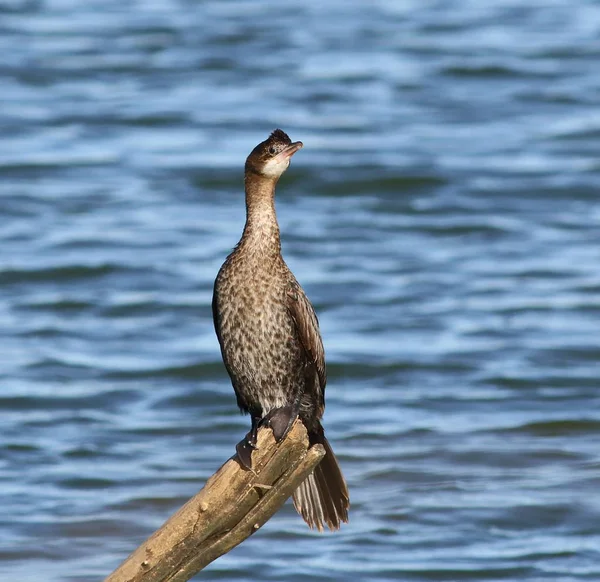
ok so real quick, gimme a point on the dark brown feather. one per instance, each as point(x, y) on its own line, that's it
point(307, 327)
point(323, 499)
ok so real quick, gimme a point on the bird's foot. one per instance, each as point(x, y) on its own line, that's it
point(245, 447)
point(244, 451)
point(280, 420)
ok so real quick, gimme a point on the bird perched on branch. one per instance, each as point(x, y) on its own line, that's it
point(270, 340)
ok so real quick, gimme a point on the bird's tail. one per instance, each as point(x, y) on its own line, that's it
point(322, 499)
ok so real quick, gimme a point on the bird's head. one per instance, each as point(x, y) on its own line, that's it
point(271, 158)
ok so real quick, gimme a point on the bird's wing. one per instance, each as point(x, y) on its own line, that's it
point(215, 311)
point(307, 325)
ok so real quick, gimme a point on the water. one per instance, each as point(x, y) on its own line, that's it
point(443, 217)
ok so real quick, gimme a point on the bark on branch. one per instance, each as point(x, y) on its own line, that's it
point(233, 504)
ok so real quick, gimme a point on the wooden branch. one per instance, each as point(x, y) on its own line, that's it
point(233, 504)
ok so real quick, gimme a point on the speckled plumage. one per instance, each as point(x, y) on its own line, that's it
point(269, 334)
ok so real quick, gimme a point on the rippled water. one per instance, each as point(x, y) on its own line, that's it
point(443, 217)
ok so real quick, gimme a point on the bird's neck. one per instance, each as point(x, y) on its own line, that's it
point(261, 232)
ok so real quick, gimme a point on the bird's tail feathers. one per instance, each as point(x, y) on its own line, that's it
point(322, 499)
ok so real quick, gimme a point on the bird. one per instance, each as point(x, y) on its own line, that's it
point(270, 340)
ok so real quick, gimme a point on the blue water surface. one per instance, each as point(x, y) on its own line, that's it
point(443, 217)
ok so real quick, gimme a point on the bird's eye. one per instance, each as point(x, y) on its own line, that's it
point(272, 150)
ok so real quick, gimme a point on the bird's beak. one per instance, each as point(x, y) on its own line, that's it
point(289, 151)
